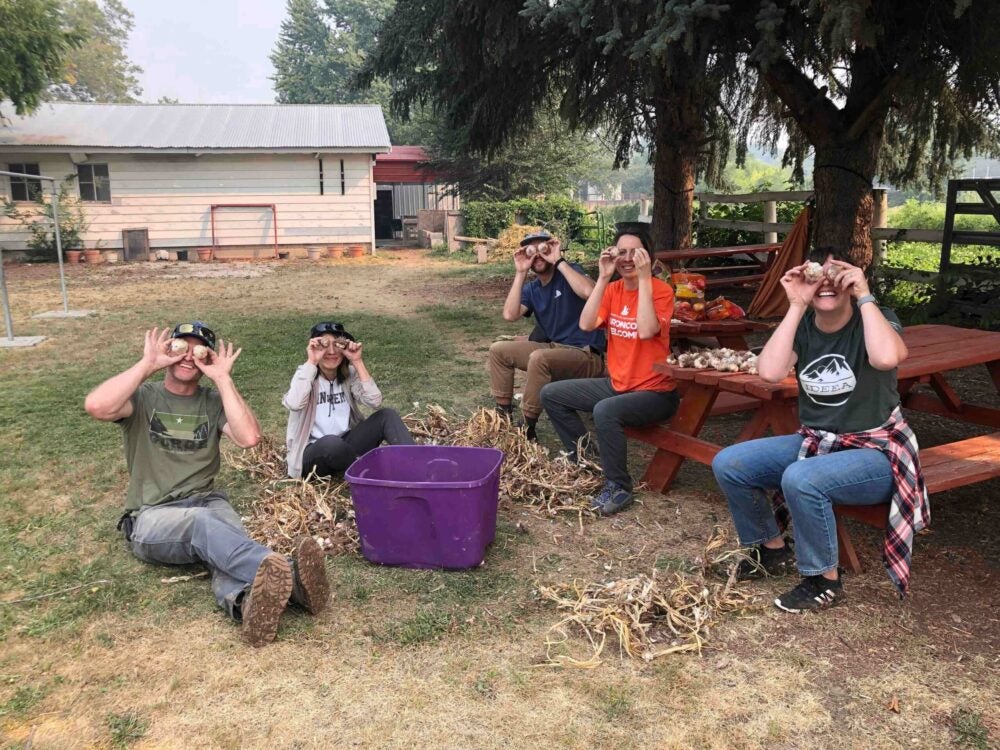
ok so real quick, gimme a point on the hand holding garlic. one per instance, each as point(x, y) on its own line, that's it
point(218, 364)
point(158, 352)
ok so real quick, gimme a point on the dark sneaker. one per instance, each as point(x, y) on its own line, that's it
point(813, 593)
point(505, 410)
point(762, 562)
point(531, 432)
point(266, 600)
point(611, 499)
point(310, 587)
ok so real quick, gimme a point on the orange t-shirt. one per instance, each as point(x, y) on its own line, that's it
point(630, 359)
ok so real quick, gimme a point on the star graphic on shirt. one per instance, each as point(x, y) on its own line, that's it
point(558, 293)
point(624, 311)
point(180, 420)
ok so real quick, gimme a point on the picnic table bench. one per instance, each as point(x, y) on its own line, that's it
point(933, 351)
point(750, 271)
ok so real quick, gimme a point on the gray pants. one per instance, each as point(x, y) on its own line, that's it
point(332, 454)
point(203, 529)
point(613, 412)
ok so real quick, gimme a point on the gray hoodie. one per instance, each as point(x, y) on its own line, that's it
point(301, 404)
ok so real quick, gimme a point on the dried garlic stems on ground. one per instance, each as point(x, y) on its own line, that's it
point(528, 475)
point(288, 508)
point(649, 616)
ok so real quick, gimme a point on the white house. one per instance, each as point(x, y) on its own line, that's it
point(245, 179)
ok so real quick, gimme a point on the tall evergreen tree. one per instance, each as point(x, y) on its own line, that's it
point(877, 88)
point(644, 72)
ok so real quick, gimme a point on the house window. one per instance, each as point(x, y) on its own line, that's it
point(95, 184)
point(21, 188)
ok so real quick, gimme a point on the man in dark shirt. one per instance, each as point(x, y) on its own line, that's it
point(174, 513)
point(555, 297)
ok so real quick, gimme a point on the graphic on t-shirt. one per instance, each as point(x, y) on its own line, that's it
point(624, 312)
point(828, 380)
point(178, 433)
point(558, 293)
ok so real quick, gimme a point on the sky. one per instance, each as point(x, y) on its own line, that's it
point(205, 51)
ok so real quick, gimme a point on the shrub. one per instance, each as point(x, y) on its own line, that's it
point(561, 216)
point(38, 221)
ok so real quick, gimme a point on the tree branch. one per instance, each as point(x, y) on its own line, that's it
point(815, 114)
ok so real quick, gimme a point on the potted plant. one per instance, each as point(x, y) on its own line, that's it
point(205, 254)
point(94, 255)
point(356, 251)
point(314, 253)
point(37, 220)
point(335, 251)
point(73, 256)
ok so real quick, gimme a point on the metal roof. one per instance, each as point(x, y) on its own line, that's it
point(198, 127)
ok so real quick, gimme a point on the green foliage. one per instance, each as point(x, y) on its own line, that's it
point(34, 45)
point(547, 159)
point(99, 70)
point(970, 732)
point(41, 226)
point(788, 211)
point(561, 216)
point(321, 48)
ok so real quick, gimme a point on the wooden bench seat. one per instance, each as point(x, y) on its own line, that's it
point(945, 467)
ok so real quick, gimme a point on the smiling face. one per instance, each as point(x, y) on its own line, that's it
point(333, 355)
point(186, 371)
point(625, 263)
point(829, 297)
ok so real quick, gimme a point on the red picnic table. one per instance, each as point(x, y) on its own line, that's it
point(728, 333)
point(934, 350)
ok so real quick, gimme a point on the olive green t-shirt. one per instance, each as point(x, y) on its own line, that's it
point(839, 390)
point(171, 444)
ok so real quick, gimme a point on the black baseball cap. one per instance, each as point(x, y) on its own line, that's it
point(541, 236)
point(197, 329)
point(334, 329)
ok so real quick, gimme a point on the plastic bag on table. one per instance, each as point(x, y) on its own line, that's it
point(722, 309)
point(684, 310)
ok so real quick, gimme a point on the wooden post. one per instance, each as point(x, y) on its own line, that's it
point(770, 217)
point(702, 215)
point(880, 220)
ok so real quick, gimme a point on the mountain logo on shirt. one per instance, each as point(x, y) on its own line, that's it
point(828, 380)
point(624, 312)
point(178, 433)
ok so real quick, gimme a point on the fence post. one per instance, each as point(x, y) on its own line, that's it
point(770, 216)
point(880, 220)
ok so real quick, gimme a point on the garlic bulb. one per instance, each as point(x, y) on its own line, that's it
point(614, 252)
point(832, 272)
point(813, 272)
point(200, 351)
point(178, 346)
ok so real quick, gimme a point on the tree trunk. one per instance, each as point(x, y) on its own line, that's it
point(680, 136)
point(842, 177)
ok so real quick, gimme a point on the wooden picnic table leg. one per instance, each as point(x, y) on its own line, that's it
point(994, 370)
point(690, 418)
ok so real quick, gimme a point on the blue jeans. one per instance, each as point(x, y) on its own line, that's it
point(205, 530)
point(613, 412)
point(748, 472)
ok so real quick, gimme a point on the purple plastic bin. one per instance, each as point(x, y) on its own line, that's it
point(426, 506)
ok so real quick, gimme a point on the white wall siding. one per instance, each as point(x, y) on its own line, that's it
point(171, 197)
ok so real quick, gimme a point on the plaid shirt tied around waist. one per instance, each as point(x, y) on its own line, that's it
point(909, 509)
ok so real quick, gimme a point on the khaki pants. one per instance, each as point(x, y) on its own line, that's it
point(543, 363)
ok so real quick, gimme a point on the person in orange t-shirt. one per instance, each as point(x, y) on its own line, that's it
point(635, 312)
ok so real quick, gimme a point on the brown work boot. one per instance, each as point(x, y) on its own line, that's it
point(266, 600)
point(310, 587)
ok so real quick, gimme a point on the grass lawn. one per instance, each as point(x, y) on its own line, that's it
point(97, 651)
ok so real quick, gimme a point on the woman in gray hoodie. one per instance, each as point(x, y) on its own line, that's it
point(326, 428)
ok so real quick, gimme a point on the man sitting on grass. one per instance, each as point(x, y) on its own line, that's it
point(555, 297)
point(174, 514)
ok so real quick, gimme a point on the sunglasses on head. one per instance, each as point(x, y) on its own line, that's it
point(197, 329)
point(333, 329)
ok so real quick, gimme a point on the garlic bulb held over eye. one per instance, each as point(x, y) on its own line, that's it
point(832, 272)
point(178, 346)
point(200, 352)
point(614, 252)
point(813, 272)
